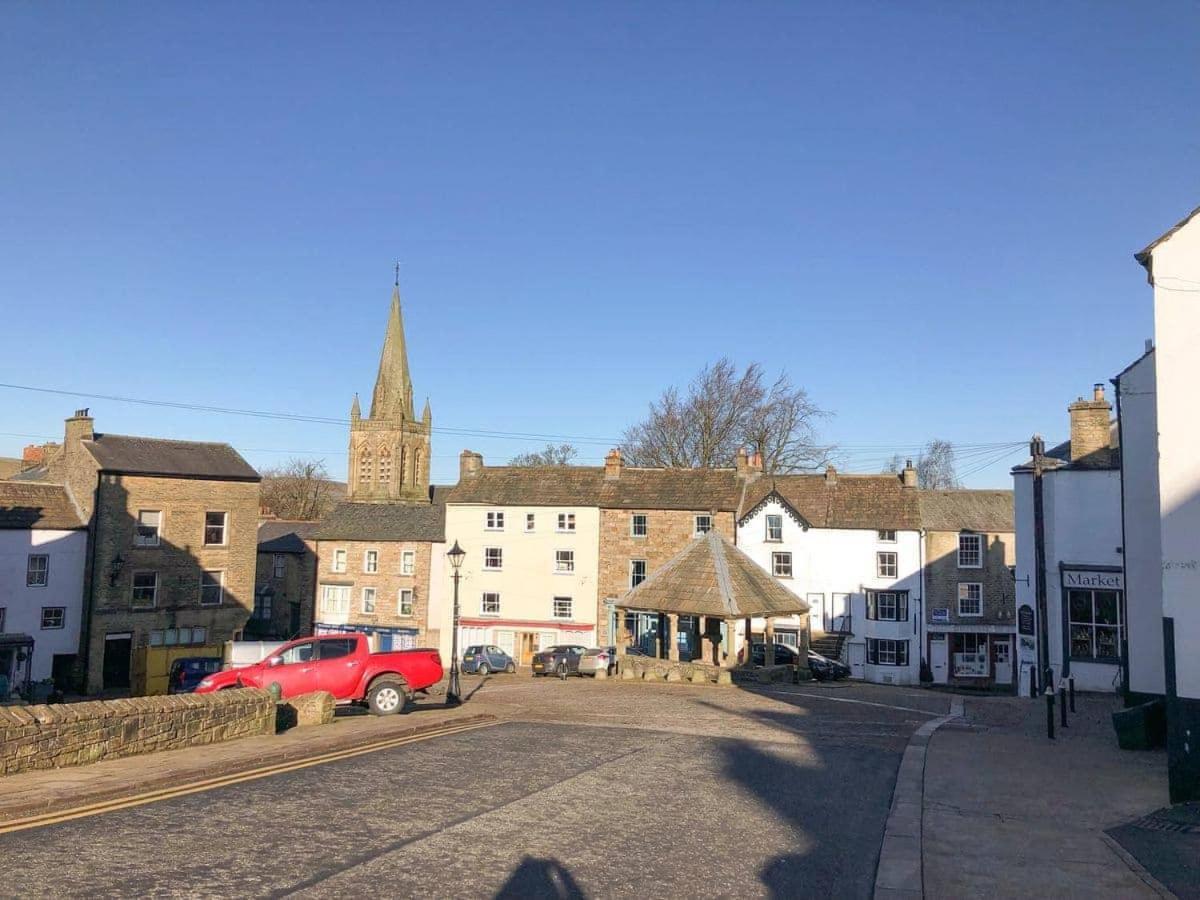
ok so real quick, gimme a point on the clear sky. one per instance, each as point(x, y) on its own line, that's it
point(925, 212)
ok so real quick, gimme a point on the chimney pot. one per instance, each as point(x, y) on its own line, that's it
point(748, 465)
point(1098, 392)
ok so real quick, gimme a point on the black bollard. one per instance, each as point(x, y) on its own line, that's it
point(1071, 682)
point(1062, 703)
point(1050, 714)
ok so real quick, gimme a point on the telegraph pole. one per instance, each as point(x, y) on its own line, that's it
point(1037, 450)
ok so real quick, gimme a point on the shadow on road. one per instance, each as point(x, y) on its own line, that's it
point(540, 878)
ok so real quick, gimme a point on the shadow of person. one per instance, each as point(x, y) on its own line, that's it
point(540, 878)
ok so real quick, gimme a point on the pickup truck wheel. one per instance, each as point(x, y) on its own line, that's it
point(482, 669)
point(387, 698)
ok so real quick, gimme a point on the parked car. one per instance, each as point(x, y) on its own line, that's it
point(480, 659)
point(561, 659)
point(785, 655)
point(597, 658)
point(826, 669)
point(187, 673)
point(343, 665)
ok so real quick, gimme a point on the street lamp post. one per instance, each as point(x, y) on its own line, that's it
point(455, 555)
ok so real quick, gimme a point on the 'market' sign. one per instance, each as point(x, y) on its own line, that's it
point(1093, 581)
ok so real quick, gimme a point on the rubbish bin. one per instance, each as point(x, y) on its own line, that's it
point(1142, 727)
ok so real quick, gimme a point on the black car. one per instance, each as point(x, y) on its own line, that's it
point(785, 655)
point(561, 660)
point(187, 673)
point(826, 669)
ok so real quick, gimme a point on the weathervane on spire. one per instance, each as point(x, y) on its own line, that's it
point(397, 274)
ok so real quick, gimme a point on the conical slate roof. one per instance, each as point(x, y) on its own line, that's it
point(392, 400)
point(712, 577)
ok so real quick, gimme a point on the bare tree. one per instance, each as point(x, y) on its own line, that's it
point(299, 489)
point(935, 466)
point(722, 410)
point(552, 455)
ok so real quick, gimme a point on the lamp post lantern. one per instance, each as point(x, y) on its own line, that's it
point(455, 556)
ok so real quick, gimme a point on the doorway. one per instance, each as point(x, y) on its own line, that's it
point(939, 657)
point(857, 656)
point(118, 648)
point(528, 643)
point(1002, 661)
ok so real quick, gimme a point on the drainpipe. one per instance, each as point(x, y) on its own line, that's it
point(1124, 648)
point(89, 589)
point(919, 625)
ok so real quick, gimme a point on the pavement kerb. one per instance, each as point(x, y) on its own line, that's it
point(292, 753)
point(898, 875)
point(1138, 869)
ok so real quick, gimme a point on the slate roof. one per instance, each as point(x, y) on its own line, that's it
point(712, 577)
point(155, 456)
point(703, 489)
point(284, 536)
point(967, 510)
point(851, 501)
point(26, 505)
point(10, 465)
point(353, 521)
point(532, 486)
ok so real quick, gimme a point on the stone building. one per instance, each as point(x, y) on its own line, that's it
point(389, 450)
point(285, 582)
point(171, 550)
point(970, 595)
point(381, 552)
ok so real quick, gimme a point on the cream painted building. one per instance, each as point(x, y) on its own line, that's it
point(532, 539)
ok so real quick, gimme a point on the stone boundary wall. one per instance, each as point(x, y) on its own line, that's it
point(73, 734)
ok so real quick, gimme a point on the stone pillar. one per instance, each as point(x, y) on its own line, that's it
point(673, 637)
point(769, 640)
point(748, 656)
point(706, 653)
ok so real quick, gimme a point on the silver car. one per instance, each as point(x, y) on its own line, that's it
point(598, 658)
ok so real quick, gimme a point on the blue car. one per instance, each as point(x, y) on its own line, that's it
point(482, 659)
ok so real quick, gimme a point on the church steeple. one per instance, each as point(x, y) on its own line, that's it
point(392, 399)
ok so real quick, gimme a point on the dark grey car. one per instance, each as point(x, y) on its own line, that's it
point(561, 660)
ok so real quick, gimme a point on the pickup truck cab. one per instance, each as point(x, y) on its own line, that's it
point(341, 664)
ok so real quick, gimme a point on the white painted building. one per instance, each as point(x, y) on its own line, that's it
point(532, 539)
point(43, 547)
point(1173, 266)
point(850, 546)
point(1080, 631)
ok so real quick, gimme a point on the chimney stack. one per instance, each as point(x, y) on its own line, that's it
point(748, 465)
point(470, 464)
point(79, 428)
point(908, 476)
point(612, 464)
point(830, 475)
point(1091, 440)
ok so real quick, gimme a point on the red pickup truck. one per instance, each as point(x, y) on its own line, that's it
point(341, 664)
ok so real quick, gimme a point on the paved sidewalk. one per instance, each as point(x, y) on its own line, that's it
point(1008, 812)
point(51, 790)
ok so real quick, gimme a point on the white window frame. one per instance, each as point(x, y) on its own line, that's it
point(62, 618)
point(697, 530)
point(881, 565)
point(220, 587)
point(133, 589)
point(530, 522)
point(645, 572)
point(780, 560)
point(370, 562)
point(490, 553)
point(566, 523)
point(278, 565)
point(37, 576)
point(341, 558)
point(484, 603)
point(404, 607)
point(886, 535)
point(147, 541)
point(633, 525)
point(774, 535)
point(493, 520)
point(564, 562)
point(369, 596)
point(556, 605)
point(341, 592)
point(224, 514)
point(408, 562)
point(978, 539)
point(964, 594)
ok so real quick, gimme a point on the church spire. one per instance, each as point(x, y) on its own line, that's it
point(392, 399)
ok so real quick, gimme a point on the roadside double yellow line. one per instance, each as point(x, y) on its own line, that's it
point(208, 784)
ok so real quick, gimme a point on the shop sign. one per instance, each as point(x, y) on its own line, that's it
point(1025, 619)
point(940, 614)
point(1093, 580)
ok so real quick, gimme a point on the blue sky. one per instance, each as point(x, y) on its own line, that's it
point(924, 212)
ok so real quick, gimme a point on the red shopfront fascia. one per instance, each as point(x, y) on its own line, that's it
point(525, 623)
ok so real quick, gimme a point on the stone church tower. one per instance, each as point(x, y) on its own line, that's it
point(389, 450)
